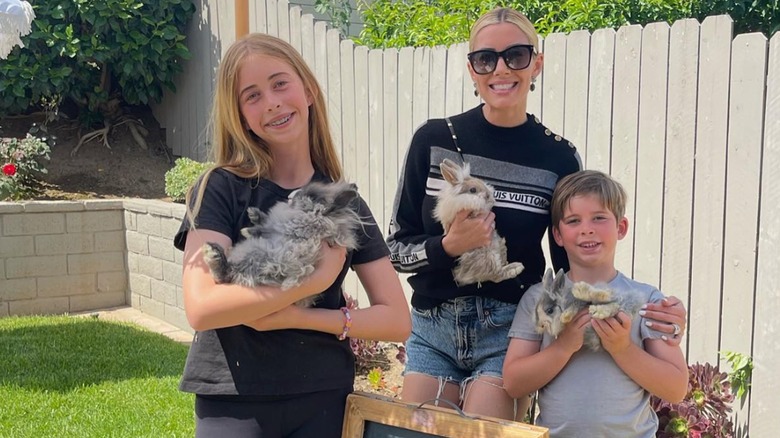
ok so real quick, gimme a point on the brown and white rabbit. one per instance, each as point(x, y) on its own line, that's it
point(465, 192)
point(559, 304)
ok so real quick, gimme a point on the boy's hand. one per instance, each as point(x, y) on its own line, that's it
point(614, 332)
point(571, 338)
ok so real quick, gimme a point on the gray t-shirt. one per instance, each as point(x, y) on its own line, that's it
point(592, 396)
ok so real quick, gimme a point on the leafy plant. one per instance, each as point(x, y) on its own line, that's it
point(339, 12)
point(741, 373)
point(401, 23)
point(389, 23)
point(22, 161)
point(748, 15)
point(97, 56)
point(182, 176)
point(705, 410)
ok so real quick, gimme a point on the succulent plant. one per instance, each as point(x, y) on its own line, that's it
point(705, 410)
point(368, 354)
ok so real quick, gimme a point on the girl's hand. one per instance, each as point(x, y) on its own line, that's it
point(614, 332)
point(329, 267)
point(571, 338)
point(282, 319)
point(668, 316)
point(467, 233)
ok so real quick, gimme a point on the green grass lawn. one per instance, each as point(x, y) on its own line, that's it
point(63, 376)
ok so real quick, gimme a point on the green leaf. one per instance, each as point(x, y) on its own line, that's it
point(19, 90)
point(157, 46)
point(58, 13)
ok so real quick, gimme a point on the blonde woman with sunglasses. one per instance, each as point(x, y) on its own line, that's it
point(459, 332)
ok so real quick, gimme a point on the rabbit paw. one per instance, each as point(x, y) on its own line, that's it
point(511, 270)
point(215, 258)
point(256, 216)
point(212, 254)
point(603, 311)
point(586, 292)
point(568, 315)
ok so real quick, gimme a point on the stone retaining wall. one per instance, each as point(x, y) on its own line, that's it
point(153, 264)
point(74, 256)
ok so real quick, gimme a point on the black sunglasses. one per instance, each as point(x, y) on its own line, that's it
point(517, 57)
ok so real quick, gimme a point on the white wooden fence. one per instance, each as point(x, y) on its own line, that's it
point(686, 116)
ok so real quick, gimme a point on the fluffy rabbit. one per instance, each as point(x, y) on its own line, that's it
point(558, 305)
point(465, 192)
point(283, 246)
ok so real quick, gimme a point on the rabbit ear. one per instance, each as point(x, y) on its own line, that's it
point(451, 172)
point(547, 280)
point(343, 198)
point(559, 282)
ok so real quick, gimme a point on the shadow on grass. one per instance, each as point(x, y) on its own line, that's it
point(62, 353)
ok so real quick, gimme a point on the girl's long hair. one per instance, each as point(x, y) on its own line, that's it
point(239, 151)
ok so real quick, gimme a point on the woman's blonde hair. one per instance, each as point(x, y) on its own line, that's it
point(239, 151)
point(505, 15)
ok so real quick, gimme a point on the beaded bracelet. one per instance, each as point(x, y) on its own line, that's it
point(347, 324)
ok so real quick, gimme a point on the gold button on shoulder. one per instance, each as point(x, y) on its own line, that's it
point(547, 132)
point(558, 138)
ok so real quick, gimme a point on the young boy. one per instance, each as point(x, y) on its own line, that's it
point(583, 393)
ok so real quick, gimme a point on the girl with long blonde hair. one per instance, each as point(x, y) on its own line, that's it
point(259, 365)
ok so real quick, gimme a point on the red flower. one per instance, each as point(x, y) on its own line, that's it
point(9, 169)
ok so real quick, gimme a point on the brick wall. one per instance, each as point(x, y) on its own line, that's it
point(153, 264)
point(73, 256)
point(58, 257)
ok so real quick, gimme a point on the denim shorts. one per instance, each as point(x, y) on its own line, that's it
point(461, 338)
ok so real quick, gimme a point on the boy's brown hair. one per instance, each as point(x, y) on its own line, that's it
point(588, 182)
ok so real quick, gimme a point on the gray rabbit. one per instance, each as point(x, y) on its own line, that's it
point(559, 304)
point(465, 192)
point(283, 246)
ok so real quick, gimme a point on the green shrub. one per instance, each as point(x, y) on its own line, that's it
point(748, 15)
point(90, 52)
point(22, 161)
point(182, 176)
point(416, 23)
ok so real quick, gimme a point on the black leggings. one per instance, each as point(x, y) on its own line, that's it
point(316, 415)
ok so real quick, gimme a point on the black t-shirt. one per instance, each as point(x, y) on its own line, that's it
point(241, 360)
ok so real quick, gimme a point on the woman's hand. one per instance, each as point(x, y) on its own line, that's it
point(467, 233)
point(667, 316)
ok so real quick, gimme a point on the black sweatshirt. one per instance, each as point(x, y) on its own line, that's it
point(522, 163)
